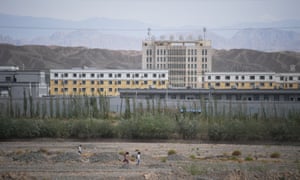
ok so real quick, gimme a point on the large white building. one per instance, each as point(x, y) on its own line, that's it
point(186, 60)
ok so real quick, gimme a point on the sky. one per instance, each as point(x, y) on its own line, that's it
point(210, 13)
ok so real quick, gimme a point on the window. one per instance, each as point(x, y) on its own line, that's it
point(262, 84)
point(119, 82)
point(145, 82)
point(128, 75)
point(227, 84)
point(65, 89)
point(92, 75)
point(270, 77)
point(154, 82)
point(110, 89)
point(55, 74)
point(101, 89)
point(83, 90)
point(290, 78)
point(163, 75)
point(262, 77)
point(74, 82)
point(243, 77)
point(218, 77)
point(66, 74)
point(74, 75)
point(92, 82)
point(252, 77)
point(281, 78)
point(227, 77)
point(217, 84)
point(208, 77)
point(102, 75)
point(136, 75)
point(236, 77)
point(110, 75)
point(145, 75)
point(83, 75)
point(55, 81)
point(137, 82)
point(101, 82)
point(65, 81)
point(154, 75)
point(83, 82)
point(55, 89)
point(74, 89)
point(92, 90)
point(109, 82)
point(128, 82)
point(290, 85)
point(119, 75)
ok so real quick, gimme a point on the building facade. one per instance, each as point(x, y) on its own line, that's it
point(15, 82)
point(85, 81)
point(185, 60)
point(251, 80)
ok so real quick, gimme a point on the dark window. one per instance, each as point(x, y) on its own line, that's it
point(92, 75)
point(66, 74)
point(110, 89)
point(252, 77)
point(261, 77)
point(110, 75)
point(227, 77)
point(55, 89)
point(128, 75)
point(74, 75)
point(218, 77)
point(128, 82)
point(74, 82)
point(83, 82)
point(92, 82)
point(109, 82)
point(55, 81)
point(55, 74)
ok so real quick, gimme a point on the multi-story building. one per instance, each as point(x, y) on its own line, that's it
point(251, 80)
point(87, 81)
point(14, 82)
point(185, 60)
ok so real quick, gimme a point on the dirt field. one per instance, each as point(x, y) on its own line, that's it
point(59, 159)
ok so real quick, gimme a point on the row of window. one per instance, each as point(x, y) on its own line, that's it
point(236, 85)
point(253, 77)
point(128, 82)
point(84, 90)
point(110, 75)
point(175, 52)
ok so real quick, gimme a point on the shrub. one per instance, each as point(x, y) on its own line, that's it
point(236, 153)
point(163, 159)
point(248, 158)
point(192, 156)
point(275, 155)
point(171, 151)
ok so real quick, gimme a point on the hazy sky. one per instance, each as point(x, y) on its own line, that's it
point(211, 13)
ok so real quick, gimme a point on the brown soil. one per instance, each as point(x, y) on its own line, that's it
point(49, 159)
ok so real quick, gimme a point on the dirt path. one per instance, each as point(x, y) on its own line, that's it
point(103, 160)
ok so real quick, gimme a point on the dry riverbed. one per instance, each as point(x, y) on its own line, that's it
point(58, 159)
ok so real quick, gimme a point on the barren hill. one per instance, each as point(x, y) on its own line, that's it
point(47, 57)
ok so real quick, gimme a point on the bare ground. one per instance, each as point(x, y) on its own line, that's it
point(58, 159)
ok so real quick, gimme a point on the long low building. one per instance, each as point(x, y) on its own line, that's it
point(217, 94)
point(251, 80)
point(89, 81)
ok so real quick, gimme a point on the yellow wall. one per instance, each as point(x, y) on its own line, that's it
point(248, 85)
point(106, 85)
